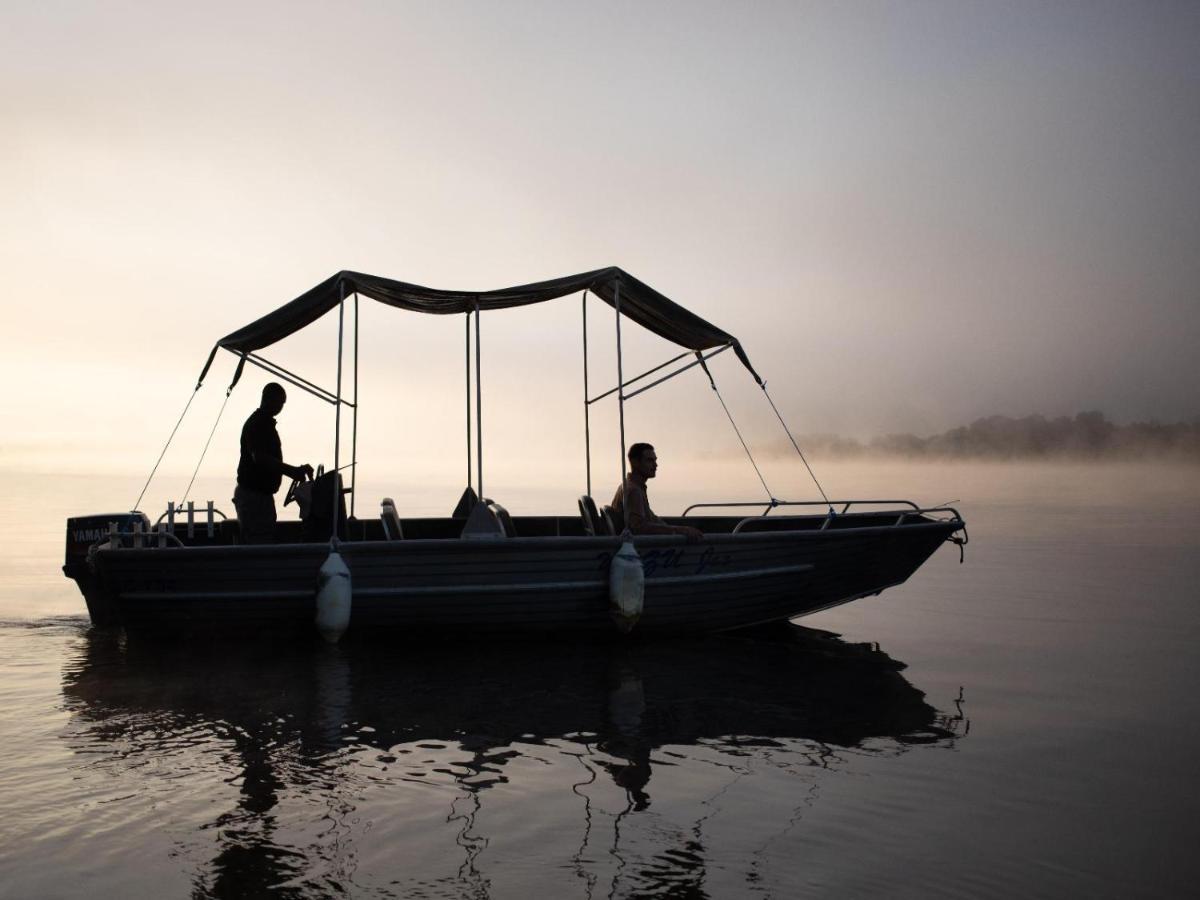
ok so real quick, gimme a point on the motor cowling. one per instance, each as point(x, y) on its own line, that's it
point(84, 531)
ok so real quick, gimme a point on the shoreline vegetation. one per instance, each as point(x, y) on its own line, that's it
point(1086, 436)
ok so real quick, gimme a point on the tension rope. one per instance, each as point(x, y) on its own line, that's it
point(200, 461)
point(736, 430)
point(788, 431)
point(166, 445)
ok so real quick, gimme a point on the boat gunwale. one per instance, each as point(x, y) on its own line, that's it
point(498, 544)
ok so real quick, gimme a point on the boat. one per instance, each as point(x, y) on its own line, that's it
point(481, 569)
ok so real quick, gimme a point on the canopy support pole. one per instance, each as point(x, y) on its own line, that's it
point(587, 421)
point(667, 377)
point(354, 431)
point(637, 378)
point(621, 400)
point(470, 473)
point(478, 403)
point(700, 358)
point(337, 428)
point(290, 377)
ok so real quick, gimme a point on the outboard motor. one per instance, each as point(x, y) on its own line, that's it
point(84, 532)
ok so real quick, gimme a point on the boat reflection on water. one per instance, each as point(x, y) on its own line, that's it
point(323, 743)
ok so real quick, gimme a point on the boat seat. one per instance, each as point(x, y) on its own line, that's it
point(608, 521)
point(588, 514)
point(391, 520)
point(484, 522)
point(502, 516)
point(466, 503)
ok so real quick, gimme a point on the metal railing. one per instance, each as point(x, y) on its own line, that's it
point(769, 505)
point(190, 511)
point(116, 539)
point(915, 509)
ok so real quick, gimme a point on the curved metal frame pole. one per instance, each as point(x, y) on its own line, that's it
point(621, 400)
point(587, 421)
point(478, 403)
point(283, 374)
point(337, 428)
point(470, 474)
point(354, 429)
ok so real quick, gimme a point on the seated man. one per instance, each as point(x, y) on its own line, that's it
point(261, 469)
point(643, 465)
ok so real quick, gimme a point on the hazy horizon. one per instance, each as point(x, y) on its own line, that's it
point(912, 215)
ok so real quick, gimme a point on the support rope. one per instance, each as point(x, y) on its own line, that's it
point(165, 446)
point(736, 430)
point(220, 413)
point(797, 446)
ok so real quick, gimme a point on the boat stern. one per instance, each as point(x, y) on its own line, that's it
point(84, 533)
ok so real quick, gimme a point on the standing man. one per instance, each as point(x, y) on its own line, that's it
point(643, 465)
point(261, 469)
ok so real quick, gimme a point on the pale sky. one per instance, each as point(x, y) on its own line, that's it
point(911, 214)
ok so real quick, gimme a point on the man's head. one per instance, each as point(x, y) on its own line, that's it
point(643, 461)
point(273, 398)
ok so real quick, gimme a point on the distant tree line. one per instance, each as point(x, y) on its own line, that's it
point(1088, 435)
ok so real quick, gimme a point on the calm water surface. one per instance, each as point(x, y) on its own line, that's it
point(1027, 726)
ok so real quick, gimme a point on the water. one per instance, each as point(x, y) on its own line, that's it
point(1040, 740)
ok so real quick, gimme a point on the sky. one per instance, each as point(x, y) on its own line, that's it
point(911, 214)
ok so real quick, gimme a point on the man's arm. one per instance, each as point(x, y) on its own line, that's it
point(301, 472)
point(643, 521)
point(268, 460)
point(266, 455)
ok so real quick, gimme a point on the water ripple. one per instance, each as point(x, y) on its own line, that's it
point(313, 772)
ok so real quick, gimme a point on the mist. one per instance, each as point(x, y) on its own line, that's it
point(911, 217)
point(1085, 436)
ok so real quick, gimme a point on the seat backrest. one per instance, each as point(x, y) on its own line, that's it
point(610, 521)
point(588, 514)
point(391, 520)
point(503, 518)
point(466, 503)
point(483, 523)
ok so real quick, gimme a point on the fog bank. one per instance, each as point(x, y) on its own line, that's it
point(1088, 435)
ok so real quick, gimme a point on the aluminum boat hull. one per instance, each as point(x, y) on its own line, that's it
point(511, 585)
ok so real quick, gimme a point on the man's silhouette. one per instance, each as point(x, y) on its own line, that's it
point(643, 465)
point(261, 469)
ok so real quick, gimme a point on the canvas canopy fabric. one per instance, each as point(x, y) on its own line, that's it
point(639, 302)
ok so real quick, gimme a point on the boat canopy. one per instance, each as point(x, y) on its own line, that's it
point(638, 301)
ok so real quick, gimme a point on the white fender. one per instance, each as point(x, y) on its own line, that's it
point(333, 598)
point(626, 587)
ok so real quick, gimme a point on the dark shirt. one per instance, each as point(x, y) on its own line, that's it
point(261, 465)
point(640, 514)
